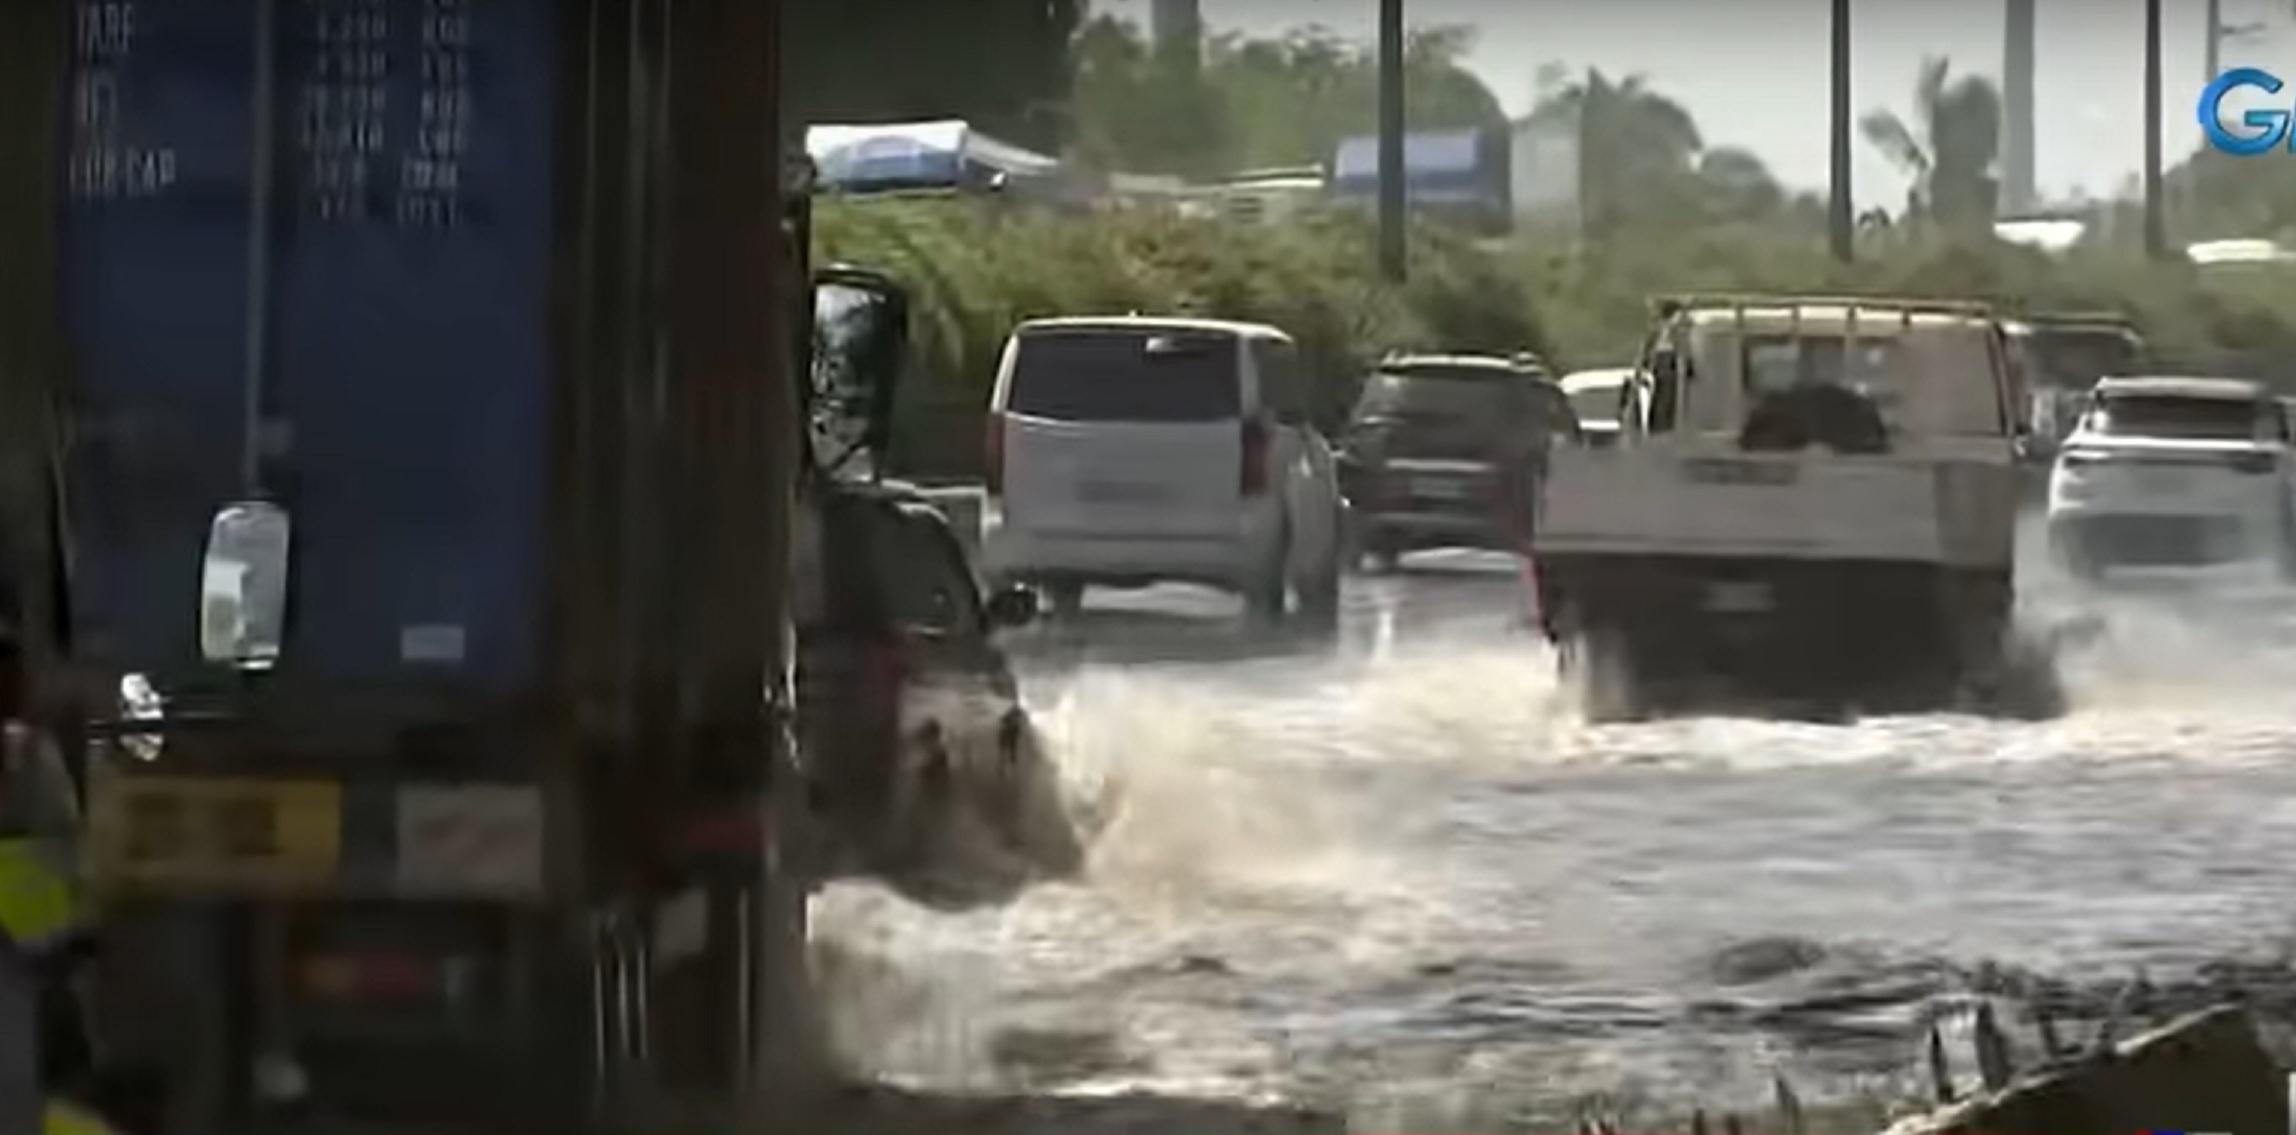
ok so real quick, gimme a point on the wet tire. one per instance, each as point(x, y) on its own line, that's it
point(1608, 672)
point(1264, 596)
point(1065, 599)
point(1377, 552)
point(2286, 560)
point(1319, 597)
point(2074, 558)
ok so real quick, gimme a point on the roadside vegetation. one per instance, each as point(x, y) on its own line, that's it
point(977, 270)
point(1663, 212)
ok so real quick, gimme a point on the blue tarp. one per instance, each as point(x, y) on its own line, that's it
point(409, 381)
point(1436, 164)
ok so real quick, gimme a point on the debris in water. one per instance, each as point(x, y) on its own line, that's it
point(1940, 1077)
point(1205, 963)
point(1789, 1107)
point(1761, 959)
point(1993, 1064)
point(2052, 1045)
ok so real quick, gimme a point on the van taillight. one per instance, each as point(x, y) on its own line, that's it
point(1253, 477)
point(993, 454)
point(885, 669)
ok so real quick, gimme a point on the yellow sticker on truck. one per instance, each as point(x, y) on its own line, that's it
point(225, 833)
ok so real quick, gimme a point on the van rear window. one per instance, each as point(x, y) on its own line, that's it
point(1125, 376)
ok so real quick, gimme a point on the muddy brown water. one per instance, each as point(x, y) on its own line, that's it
point(1401, 879)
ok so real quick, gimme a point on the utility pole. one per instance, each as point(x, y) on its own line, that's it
point(2214, 44)
point(2218, 33)
point(2017, 99)
point(1844, 223)
point(2156, 226)
point(1391, 198)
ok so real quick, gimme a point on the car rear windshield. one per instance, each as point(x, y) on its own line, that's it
point(1454, 394)
point(2065, 357)
point(1596, 403)
point(1122, 375)
point(2168, 415)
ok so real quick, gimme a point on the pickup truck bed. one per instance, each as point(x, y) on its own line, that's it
point(1697, 502)
point(1848, 576)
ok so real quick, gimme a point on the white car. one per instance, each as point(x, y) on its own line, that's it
point(1131, 451)
point(2175, 472)
point(1598, 397)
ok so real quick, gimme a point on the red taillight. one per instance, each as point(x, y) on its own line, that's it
point(885, 668)
point(1253, 476)
point(370, 976)
point(993, 455)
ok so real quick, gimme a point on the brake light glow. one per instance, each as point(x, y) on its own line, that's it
point(1252, 478)
point(370, 977)
point(993, 454)
point(885, 669)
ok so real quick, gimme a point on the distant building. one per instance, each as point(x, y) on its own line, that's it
point(1267, 195)
point(1177, 25)
point(1545, 170)
point(1464, 175)
point(2049, 234)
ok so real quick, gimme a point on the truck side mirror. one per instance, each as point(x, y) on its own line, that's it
point(860, 347)
point(243, 586)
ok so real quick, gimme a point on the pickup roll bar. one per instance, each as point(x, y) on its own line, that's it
point(1669, 306)
point(2098, 316)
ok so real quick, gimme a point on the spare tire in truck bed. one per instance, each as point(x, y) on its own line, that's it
point(1836, 417)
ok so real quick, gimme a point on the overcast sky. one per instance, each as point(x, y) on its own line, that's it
point(1754, 72)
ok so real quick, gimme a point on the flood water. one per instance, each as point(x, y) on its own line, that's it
point(1403, 880)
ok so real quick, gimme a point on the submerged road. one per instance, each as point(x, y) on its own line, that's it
point(1401, 878)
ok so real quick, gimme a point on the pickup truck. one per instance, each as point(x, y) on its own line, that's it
point(1815, 495)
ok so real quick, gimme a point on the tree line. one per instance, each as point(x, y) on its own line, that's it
point(1041, 73)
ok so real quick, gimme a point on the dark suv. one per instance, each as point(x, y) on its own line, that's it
point(1448, 451)
point(927, 771)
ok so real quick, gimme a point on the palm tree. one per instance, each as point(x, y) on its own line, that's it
point(1738, 185)
point(1636, 148)
point(1952, 156)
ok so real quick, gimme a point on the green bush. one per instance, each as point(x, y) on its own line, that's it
point(977, 268)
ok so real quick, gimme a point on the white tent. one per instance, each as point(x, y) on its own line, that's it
point(942, 154)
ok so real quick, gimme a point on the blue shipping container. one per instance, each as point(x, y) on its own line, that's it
point(406, 339)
